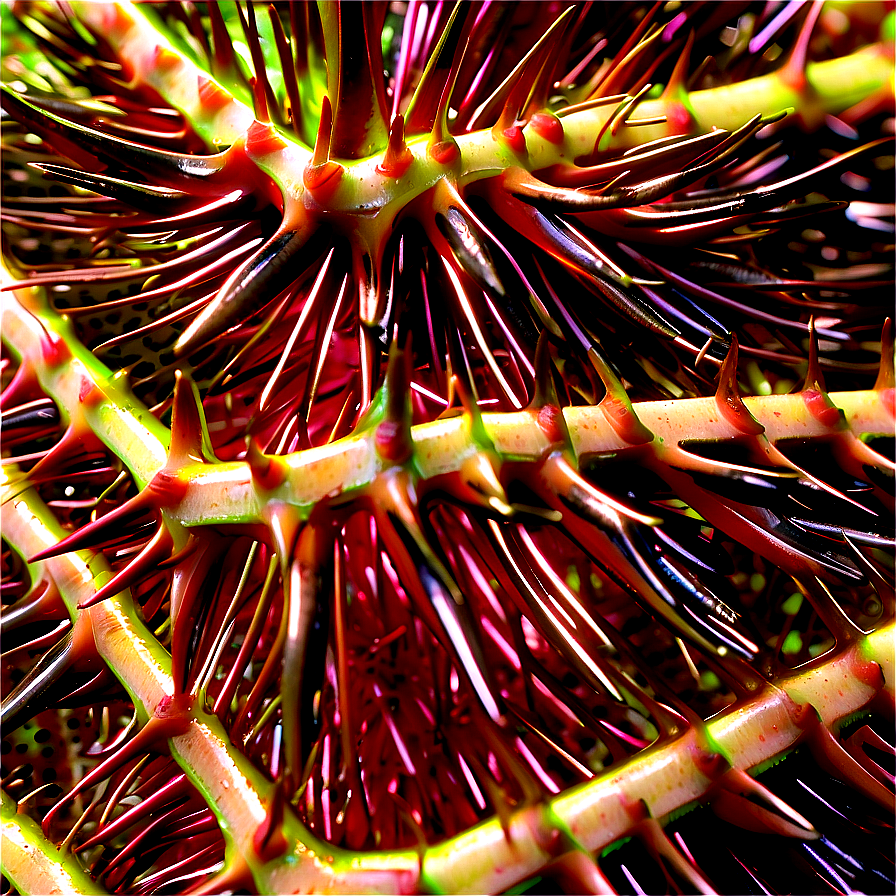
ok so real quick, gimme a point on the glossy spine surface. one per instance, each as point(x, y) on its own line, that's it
point(445, 446)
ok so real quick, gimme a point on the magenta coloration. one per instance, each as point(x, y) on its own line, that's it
point(447, 448)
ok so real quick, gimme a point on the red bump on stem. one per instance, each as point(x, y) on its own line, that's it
point(212, 97)
point(679, 119)
point(445, 152)
point(165, 60)
point(548, 127)
point(262, 139)
point(617, 406)
point(621, 416)
point(322, 176)
point(514, 138)
point(168, 488)
point(89, 393)
point(549, 422)
point(176, 710)
point(888, 400)
point(822, 408)
point(53, 350)
point(390, 442)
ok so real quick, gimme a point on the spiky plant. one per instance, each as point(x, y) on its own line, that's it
point(381, 508)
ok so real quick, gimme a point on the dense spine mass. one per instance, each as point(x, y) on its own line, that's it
point(447, 448)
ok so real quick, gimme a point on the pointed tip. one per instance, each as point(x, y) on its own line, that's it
point(507, 118)
point(254, 283)
point(676, 88)
point(793, 72)
point(101, 530)
point(190, 441)
point(728, 397)
point(545, 401)
point(428, 106)
point(616, 405)
point(324, 137)
point(397, 158)
point(393, 435)
point(156, 551)
point(814, 377)
point(885, 376)
point(268, 472)
point(555, 42)
point(545, 393)
point(322, 175)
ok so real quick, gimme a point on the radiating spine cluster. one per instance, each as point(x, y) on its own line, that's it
point(445, 454)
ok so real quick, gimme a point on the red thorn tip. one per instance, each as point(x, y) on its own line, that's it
point(323, 180)
point(678, 118)
point(548, 127)
point(515, 138)
point(262, 139)
point(115, 21)
point(176, 709)
point(165, 60)
point(728, 398)
point(445, 153)
point(710, 764)
point(888, 398)
point(549, 421)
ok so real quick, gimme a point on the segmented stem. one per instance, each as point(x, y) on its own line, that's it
point(497, 853)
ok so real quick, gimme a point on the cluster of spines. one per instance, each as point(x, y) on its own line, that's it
point(391, 437)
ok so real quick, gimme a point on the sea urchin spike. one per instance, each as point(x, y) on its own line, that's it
point(442, 446)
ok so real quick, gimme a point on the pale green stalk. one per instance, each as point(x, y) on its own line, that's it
point(481, 859)
point(831, 86)
point(594, 815)
point(86, 391)
point(33, 864)
point(225, 493)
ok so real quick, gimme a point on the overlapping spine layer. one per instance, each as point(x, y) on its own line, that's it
point(444, 444)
